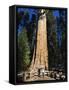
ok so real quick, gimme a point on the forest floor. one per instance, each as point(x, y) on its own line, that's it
point(36, 78)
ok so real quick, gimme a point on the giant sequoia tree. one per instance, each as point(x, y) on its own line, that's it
point(28, 37)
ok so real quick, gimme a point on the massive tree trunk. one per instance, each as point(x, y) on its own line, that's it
point(40, 55)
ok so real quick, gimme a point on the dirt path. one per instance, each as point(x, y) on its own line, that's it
point(36, 78)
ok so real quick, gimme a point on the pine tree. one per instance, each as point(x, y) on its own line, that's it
point(23, 51)
point(63, 25)
point(52, 39)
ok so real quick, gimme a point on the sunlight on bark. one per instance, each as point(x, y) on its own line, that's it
point(41, 58)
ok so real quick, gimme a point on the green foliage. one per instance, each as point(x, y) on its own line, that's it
point(64, 36)
point(52, 39)
point(24, 50)
point(26, 40)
